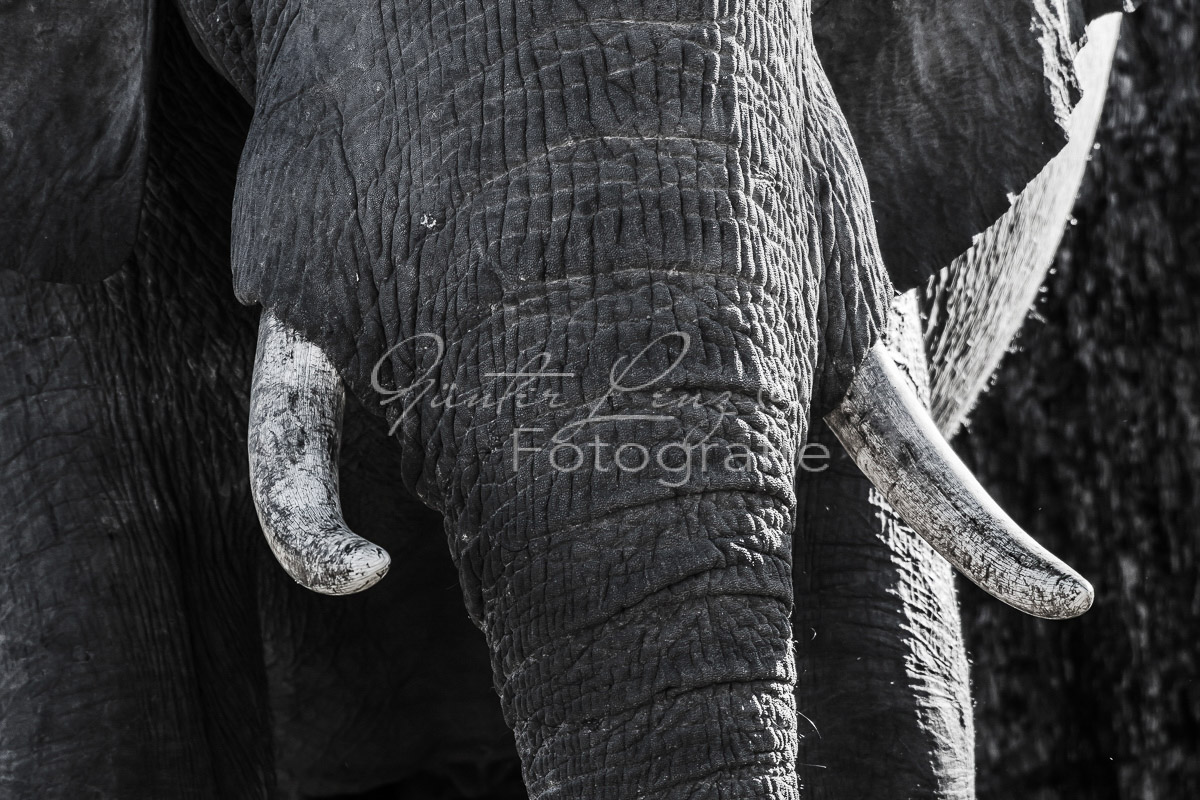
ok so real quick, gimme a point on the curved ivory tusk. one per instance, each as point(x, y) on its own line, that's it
point(891, 437)
point(295, 431)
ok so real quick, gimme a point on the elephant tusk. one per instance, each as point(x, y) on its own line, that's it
point(296, 403)
point(893, 440)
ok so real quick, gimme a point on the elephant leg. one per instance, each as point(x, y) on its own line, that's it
point(130, 654)
point(126, 655)
point(882, 675)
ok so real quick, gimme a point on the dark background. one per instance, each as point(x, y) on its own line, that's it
point(1090, 439)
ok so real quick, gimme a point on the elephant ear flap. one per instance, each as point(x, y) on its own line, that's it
point(74, 106)
point(954, 108)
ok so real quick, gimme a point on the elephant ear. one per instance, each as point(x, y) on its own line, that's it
point(954, 107)
point(74, 80)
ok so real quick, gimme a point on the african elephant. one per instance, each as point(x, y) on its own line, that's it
point(653, 217)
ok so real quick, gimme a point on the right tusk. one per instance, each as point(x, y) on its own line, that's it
point(893, 440)
point(296, 403)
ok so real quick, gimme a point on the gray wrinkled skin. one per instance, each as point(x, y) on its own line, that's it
point(582, 181)
point(683, 195)
point(879, 643)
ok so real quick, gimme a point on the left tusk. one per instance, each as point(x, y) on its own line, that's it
point(296, 403)
point(893, 440)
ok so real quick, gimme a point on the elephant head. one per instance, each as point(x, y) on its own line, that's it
point(599, 265)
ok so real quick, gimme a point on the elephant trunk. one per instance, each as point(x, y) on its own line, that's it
point(676, 679)
point(629, 560)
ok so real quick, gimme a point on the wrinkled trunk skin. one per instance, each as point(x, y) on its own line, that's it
point(882, 671)
point(639, 618)
point(660, 204)
point(641, 634)
point(1091, 439)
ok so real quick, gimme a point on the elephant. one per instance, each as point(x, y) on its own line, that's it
point(677, 227)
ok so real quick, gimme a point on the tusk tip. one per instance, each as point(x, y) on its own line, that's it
point(360, 566)
point(1072, 597)
point(364, 567)
point(1069, 597)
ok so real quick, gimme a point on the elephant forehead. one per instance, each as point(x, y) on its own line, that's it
point(406, 120)
point(453, 172)
point(434, 94)
point(379, 141)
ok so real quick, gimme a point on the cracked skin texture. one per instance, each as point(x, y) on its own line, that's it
point(459, 162)
point(540, 178)
point(775, 208)
point(150, 647)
